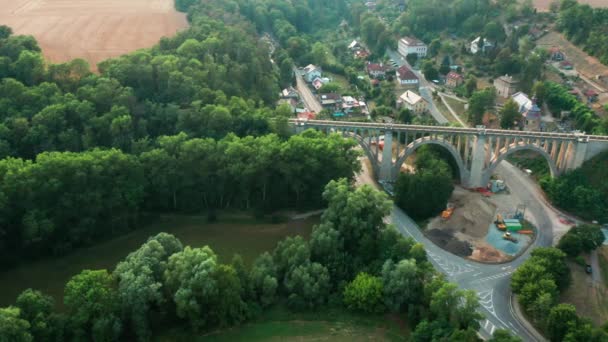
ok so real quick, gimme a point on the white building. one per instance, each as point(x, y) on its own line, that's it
point(529, 110)
point(475, 48)
point(409, 45)
point(412, 101)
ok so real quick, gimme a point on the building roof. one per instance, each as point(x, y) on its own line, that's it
point(485, 41)
point(331, 96)
point(353, 44)
point(310, 68)
point(404, 73)
point(527, 107)
point(454, 75)
point(307, 115)
point(411, 97)
point(591, 93)
point(554, 49)
point(411, 41)
point(375, 67)
point(508, 79)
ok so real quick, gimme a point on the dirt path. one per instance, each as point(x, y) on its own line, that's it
point(94, 30)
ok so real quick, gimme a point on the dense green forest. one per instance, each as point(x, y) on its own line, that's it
point(585, 26)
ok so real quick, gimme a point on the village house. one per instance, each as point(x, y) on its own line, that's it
point(290, 93)
point(330, 100)
point(529, 110)
point(591, 95)
point(505, 86)
point(555, 54)
point(453, 79)
point(310, 72)
point(376, 70)
point(409, 45)
point(351, 105)
point(406, 77)
point(355, 45)
point(475, 47)
point(412, 101)
point(318, 82)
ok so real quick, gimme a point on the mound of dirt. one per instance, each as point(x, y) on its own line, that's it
point(488, 254)
point(472, 216)
point(446, 240)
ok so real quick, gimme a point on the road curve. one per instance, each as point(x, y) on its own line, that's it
point(490, 282)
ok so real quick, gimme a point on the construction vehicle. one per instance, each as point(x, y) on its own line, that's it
point(500, 222)
point(447, 214)
point(509, 237)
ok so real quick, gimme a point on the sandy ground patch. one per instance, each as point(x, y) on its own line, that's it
point(586, 65)
point(543, 5)
point(464, 233)
point(92, 29)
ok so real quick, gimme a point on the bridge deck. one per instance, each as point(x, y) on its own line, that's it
point(447, 130)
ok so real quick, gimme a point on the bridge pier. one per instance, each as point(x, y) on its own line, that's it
point(386, 166)
point(476, 177)
point(578, 157)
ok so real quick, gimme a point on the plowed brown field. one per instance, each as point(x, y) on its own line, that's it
point(92, 29)
point(543, 5)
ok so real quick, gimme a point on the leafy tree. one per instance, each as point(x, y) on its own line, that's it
point(91, 300)
point(307, 286)
point(561, 318)
point(263, 280)
point(509, 114)
point(189, 277)
point(13, 327)
point(357, 215)
point(364, 293)
point(479, 103)
point(581, 238)
point(140, 280)
point(402, 285)
point(5, 31)
point(37, 308)
point(429, 70)
point(425, 193)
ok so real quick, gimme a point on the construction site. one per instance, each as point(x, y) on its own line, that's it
point(483, 224)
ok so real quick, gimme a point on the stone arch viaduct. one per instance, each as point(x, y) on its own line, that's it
point(476, 151)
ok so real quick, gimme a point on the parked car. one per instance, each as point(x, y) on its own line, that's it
point(588, 269)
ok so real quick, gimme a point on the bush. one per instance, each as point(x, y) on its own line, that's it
point(364, 293)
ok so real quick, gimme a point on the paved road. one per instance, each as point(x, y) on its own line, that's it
point(311, 102)
point(425, 88)
point(596, 274)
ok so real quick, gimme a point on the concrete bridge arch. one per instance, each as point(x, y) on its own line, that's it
point(505, 152)
point(413, 146)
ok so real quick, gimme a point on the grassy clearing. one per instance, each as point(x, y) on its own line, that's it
point(279, 324)
point(457, 106)
point(445, 111)
point(234, 234)
point(590, 301)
